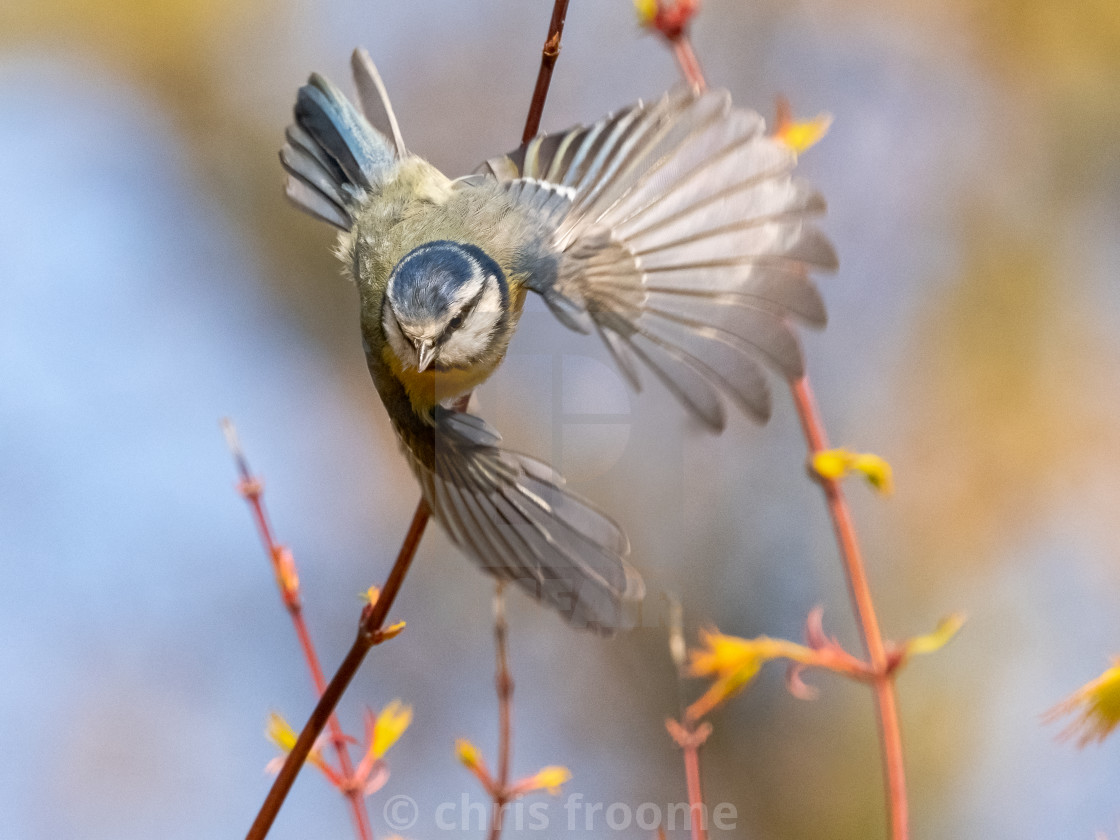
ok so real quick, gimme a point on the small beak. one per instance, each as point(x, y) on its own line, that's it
point(425, 351)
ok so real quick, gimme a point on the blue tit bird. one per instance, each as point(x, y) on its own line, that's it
point(673, 230)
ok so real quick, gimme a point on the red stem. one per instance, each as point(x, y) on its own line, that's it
point(369, 634)
point(686, 58)
point(253, 491)
point(690, 738)
point(338, 737)
point(695, 797)
point(503, 682)
point(890, 733)
point(549, 54)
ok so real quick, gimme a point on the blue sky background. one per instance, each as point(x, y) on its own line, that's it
point(153, 280)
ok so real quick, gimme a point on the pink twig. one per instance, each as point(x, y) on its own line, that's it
point(549, 53)
point(890, 733)
point(503, 682)
point(690, 740)
point(287, 580)
point(369, 634)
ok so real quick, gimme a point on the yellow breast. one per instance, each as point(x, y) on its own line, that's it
point(429, 388)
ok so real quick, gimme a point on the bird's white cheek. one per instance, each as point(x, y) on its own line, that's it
point(472, 341)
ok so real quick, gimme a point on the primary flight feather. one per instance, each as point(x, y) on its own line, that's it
point(673, 230)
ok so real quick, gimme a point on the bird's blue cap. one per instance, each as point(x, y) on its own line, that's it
point(428, 277)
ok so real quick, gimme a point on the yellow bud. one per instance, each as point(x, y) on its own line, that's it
point(832, 463)
point(280, 732)
point(392, 631)
point(389, 726)
point(647, 11)
point(468, 754)
point(1096, 706)
point(550, 778)
point(946, 629)
point(284, 565)
point(803, 135)
point(877, 471)
point(835, 464)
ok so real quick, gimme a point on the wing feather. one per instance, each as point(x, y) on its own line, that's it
point(685, 240)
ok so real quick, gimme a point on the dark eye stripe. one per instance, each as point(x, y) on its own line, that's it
point(464, 313)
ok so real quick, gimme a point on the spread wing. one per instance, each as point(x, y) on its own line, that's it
point(512, 515)
point(334, 152)
point(683, 241)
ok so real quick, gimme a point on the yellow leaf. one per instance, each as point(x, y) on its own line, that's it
point(280, 732)
point(734, 662)
point(550, 779)
point(946, 629)
point(1096, 706)
point(389, 726)
point(877, 472)
point(832, 463)
point(647, 11)
point(835, 464)
point(468, 754)
point(804, 134)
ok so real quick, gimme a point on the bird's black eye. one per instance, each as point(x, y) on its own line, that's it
point(455, 322)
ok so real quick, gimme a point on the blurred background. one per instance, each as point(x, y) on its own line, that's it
point(153, 279)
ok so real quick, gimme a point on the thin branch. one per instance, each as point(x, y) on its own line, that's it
point(369, 634)
point(695, 797)
point(549, 54)
point(890, 733)
point(503, 682)
point(690, 740)
point(686, 58)
point(287, 579)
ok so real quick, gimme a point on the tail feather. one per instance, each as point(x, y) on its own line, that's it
point(300, 139)
point(374, 99)
point(333, 154)
point(311, 201)
point(305, 166)
point(513, 516)
point(346, 135)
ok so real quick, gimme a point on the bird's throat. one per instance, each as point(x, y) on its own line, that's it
point(426, 389)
